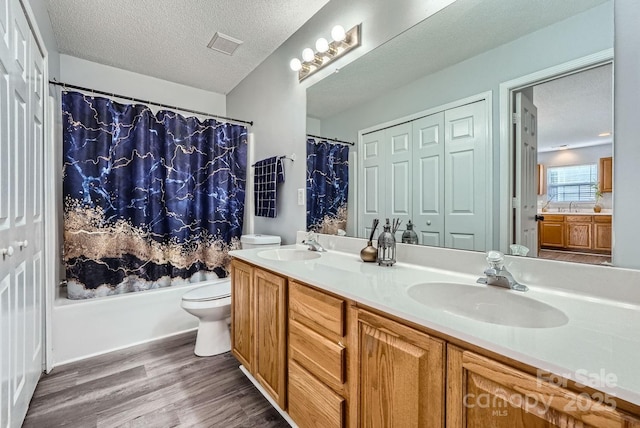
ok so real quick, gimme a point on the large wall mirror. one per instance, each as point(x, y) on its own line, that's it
point(488, 124)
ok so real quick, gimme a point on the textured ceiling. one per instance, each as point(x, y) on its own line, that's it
point(462, 30)
point(569, 114)
point(168, 39)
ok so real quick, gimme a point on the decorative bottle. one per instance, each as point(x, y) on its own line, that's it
point(386, 247)
point(409, 236)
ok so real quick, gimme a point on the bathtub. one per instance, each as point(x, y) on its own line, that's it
point(86, 328)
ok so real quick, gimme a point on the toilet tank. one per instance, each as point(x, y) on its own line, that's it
point(259, 241)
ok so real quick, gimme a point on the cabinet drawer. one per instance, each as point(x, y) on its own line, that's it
point(316, 310)
point(553, 217)
point(602, 218)
point(321, 356)
point(579, 218)
point(311, 403)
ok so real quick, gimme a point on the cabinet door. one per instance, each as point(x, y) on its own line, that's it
point(551, 234)
point(605, 174)
point(578, 235)
point(401, 373)
point(270, 334)
point(242, 340)
point(602, 236)
point(483, 393)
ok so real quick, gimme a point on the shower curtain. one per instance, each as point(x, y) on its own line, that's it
point(150, 200)
point(327, 186)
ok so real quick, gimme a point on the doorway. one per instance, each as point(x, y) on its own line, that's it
point(560, 152)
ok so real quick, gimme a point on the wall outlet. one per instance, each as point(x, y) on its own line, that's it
point(301, 198)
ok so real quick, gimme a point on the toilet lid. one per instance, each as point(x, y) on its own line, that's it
point(219, 290)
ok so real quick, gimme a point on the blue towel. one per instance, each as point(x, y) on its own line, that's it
point(268, 174)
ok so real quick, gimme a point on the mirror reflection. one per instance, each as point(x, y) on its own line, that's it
point(425, 112)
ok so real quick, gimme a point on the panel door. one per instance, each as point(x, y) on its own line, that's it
point(428, 179)
point(484, 393)
point(578, 235)
point(371, 198)
point(466, 180)
point(401, 373)
point(398, 175)
point(527, 181)
point(21, 221)
point(242, 294)
point(270, 334)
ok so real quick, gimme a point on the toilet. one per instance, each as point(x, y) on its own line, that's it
point(211, 304)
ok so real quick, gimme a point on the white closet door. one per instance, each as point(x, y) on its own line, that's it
point(371, 197)
point(466, 197)
point(21, 223)
point(399, 175)
point(428, 179)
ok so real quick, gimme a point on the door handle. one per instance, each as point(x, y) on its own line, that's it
point(539, 217)
point(22, 244)
point(7, 252)
point(428, 222)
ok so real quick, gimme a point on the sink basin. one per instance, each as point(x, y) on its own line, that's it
point(288, 254)
point(489, 304)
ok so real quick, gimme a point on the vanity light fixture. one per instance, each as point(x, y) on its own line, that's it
point(326, 52)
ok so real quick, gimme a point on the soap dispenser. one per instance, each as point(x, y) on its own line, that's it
point(386, 247)
point(409, 236)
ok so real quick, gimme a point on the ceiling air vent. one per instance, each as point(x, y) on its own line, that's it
point(223, 43)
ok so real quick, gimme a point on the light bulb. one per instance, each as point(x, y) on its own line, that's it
point(322, 45)
point(295, 64)
point(338, 34)
point(308, 54)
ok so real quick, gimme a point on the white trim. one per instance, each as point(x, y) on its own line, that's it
point(482, 96)
point(266, 395)
point(50, 217)
point(506, 143)
point(119, 348)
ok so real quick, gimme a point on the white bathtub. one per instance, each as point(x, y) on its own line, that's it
point(86, 328)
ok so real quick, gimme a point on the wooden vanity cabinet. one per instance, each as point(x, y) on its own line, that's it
point(317, 393)
point(258, 326)
point(552, 231)
point(401, 375)
point(484, 393)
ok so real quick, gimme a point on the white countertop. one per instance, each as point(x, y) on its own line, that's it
point(601, 338)
point(581, 212)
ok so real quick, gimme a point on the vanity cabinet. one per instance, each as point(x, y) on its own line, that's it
point(317, 393)
point(483, 393)
point(258, 326)
point(401, 374)
point(590, 233)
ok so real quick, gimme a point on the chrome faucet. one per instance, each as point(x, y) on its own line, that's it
point(312, 243)
point(498, 275)
point(570, 205)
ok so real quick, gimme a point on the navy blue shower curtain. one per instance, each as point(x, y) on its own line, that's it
point(327, 186)
point(150, 200)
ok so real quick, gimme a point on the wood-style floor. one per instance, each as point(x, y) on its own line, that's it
point(161, 384)
point(569, 256)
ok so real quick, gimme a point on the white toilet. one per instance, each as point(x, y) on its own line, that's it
point(212, 305)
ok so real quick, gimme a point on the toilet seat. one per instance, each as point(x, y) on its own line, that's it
point(217, 291)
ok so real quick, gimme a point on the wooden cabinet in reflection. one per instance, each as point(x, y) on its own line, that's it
point(575, 232)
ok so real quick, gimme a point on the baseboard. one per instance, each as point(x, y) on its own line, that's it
point(119, 348)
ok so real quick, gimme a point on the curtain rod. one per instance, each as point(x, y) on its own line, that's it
point(332, 139)
point(137, 100)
